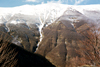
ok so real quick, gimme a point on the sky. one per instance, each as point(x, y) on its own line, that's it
point(14, 3)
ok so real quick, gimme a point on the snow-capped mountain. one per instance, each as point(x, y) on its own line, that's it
point(46, 12)
point(40, 16)
point(50, 30)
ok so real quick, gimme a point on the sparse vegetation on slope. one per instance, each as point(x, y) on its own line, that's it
point(12, 55)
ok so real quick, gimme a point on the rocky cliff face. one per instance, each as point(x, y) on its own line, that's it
point(28, 37)
point(22, 35)
point(60, 40)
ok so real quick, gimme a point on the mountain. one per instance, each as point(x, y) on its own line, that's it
point(51, 30)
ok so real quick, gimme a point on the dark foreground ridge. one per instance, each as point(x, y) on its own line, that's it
point(12, 55)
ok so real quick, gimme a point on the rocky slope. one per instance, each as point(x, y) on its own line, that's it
point(60, 40)
point(22, 35)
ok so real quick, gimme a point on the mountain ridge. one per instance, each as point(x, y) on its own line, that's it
point(51, 30)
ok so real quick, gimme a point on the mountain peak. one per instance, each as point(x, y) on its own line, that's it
point(48, 12)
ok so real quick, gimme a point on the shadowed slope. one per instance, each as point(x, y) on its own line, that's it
point(12, 55)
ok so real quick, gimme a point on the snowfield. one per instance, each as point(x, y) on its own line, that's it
point(44, 14)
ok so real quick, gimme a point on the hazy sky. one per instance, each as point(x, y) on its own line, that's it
point(13, 3)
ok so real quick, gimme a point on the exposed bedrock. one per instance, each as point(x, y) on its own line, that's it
point(60, 40)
